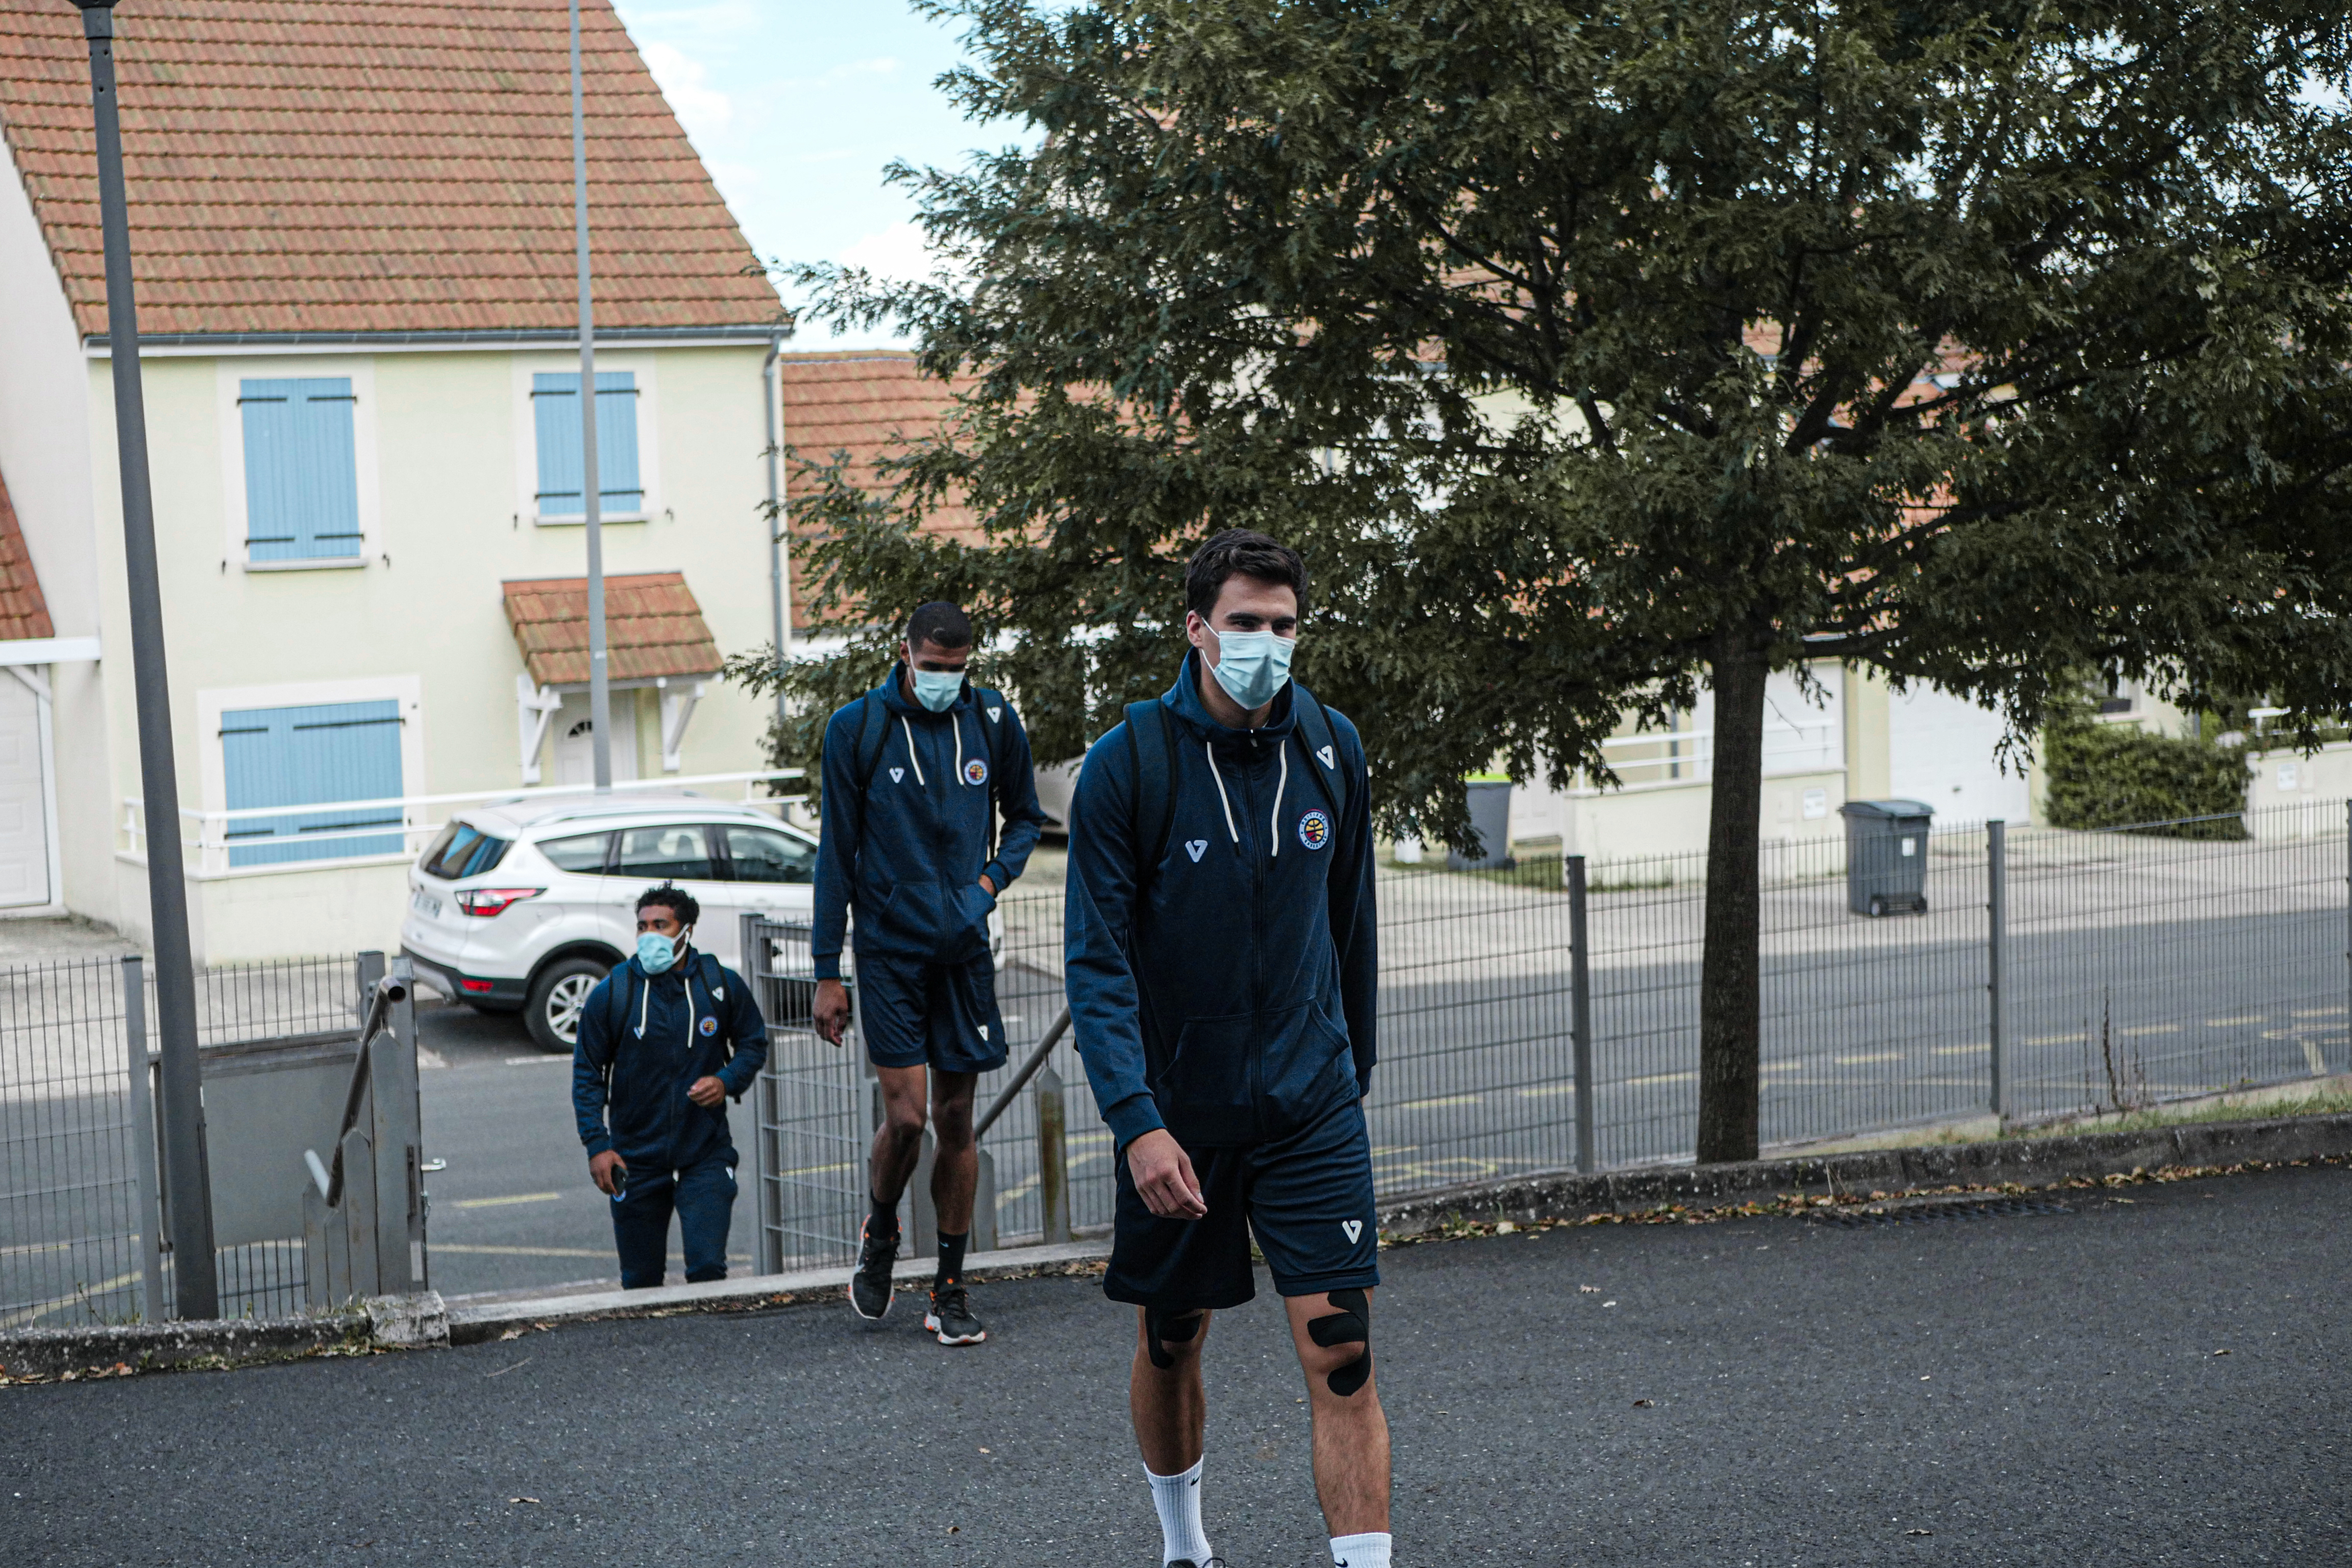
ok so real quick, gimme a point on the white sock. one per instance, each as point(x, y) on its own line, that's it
point(1178, 1499)
point(1369, 1550)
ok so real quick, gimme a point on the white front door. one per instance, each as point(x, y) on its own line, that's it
point(24, 813)
point(575, 761)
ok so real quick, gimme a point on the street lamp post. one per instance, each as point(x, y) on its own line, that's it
point(196, 1288)
point(600, 690)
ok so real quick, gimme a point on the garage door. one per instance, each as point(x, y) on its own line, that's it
point(24, 822)
point(1940, 749)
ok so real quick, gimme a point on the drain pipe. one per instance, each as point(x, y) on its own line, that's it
point(780, 607)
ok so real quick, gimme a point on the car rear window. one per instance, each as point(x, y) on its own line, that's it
point(763, 855)
point(582, 852)
point(463, 851)
point(674, 851)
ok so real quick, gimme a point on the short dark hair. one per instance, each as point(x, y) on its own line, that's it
point(676, 899)
point(1241, 551)
point(940, 624)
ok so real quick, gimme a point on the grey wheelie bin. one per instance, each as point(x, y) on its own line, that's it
point(1887, 855)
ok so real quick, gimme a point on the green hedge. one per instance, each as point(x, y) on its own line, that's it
point(2114, 775)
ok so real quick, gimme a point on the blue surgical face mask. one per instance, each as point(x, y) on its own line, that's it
point(656, 951)
point(1252, 666)
point(936, 688)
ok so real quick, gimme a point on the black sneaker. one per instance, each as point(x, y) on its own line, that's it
point(869, 1288)
point(950, 1318)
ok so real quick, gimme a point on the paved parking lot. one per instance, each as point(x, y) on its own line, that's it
point(2154, 1378)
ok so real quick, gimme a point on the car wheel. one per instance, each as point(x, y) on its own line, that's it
point(556, 997)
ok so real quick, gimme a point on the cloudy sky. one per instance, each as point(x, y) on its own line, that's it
point(797, 105)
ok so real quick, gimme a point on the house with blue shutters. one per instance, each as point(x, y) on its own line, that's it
point(356, 298)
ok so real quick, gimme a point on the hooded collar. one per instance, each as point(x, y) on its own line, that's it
point(1184, 701)
point(895, 697)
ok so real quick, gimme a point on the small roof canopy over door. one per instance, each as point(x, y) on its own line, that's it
point(654, 636)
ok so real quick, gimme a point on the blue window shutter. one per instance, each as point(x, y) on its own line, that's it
point(556, 414)
point(301, 468)
point(555, 411)
point(300, 756)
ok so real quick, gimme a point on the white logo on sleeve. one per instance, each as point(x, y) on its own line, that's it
point(1325, 753)
point(994, 714)
point(1196, 848)
point(897, 774)
point(983, 1031)
point(1354, 1227)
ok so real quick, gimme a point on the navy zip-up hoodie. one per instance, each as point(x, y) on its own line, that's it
point(656, 1056)
point(908, 851)
point(1227, 993)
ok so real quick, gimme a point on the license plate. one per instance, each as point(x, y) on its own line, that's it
point(426, 904)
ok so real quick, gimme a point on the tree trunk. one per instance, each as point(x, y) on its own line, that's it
point(1730, 1027)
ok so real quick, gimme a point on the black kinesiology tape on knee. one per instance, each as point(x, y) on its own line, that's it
point(1176, 1328)
point(1351, 1325)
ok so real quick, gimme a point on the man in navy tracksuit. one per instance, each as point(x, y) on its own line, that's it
point(664, 1040)
point(917, 773)
point(1221, 966)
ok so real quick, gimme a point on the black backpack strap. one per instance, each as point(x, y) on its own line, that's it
point(1152, 812)
point(1314, 732)
point(871, 738)
point(991, 743)
point(619, 983)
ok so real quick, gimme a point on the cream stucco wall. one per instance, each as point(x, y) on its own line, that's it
point(444, 438)
point(44, 457)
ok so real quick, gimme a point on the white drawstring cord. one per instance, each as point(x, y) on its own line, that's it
point(910, 748)
point(1210, 747)
point(645, 1000)
point(1274, 823)
point(956, 720)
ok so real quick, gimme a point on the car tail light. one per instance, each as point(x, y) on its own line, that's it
point(475, 985)
point(488, 902)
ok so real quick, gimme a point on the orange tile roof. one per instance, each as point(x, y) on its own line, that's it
point(24, 613)
point(652, 628)
point(865, 403)
point(370, 166)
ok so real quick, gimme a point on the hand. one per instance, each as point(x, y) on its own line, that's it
point(831, 1010)
point(609, 1172)
point(706, 1092)
point(1163, 1175)
point(988, 886)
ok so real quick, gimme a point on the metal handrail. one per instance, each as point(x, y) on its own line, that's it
point(388, 991)
point(1012, 1092)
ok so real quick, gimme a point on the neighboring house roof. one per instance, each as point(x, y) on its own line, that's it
point(24, 613)
point(652, 628)
point(866, 404)
point(385, 166)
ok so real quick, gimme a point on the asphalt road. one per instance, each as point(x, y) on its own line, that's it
point(2022, 1390)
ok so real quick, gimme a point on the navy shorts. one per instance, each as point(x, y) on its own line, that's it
point(915, 1013)
point(1309, 1197)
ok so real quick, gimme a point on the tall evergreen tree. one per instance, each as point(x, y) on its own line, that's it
point(1594, 352)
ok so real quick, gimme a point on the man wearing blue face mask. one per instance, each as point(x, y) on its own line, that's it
point(918, 773)
point(1220, 959)
point(666, 1039)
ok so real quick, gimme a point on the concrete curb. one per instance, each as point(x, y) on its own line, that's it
point(2034, 1161)
point(381, 1322)
point(470, 1321)
point(39, 1354)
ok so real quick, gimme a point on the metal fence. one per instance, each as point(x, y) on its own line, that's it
point(78, 1190)
point(2134, 966)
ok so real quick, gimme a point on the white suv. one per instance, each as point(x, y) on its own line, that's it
point(523, 905)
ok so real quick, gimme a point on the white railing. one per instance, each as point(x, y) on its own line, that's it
point(210, 836)
point(1688, 757)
